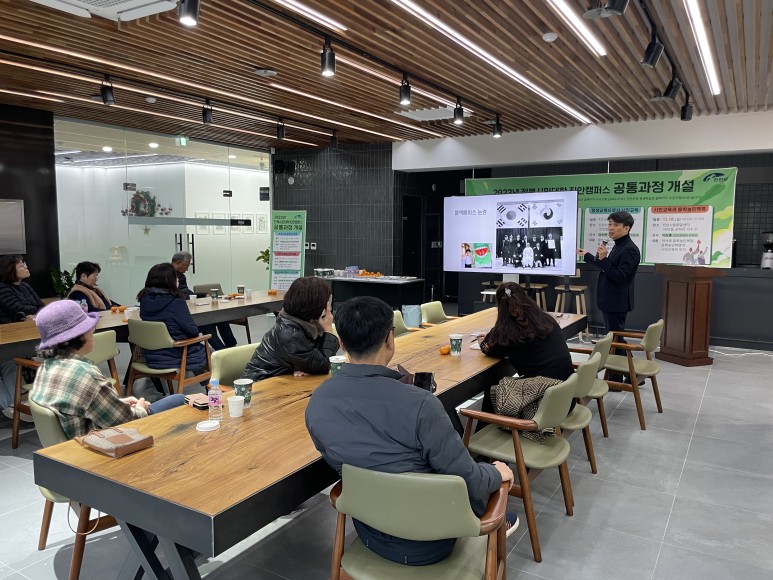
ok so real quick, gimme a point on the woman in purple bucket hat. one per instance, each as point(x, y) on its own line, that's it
point(72, 386)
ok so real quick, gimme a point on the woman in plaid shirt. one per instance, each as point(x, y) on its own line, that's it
point(72, 386)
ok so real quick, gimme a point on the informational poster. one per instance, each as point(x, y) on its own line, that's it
point(673, 210)
point(288, 236)
point(511, 234)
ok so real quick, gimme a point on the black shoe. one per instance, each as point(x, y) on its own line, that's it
point(627, 380)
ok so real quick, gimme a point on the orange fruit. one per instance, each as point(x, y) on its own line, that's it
point(114, 309)
point(445, 349)
point(122, 309)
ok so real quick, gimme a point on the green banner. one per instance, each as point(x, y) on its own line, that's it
point(680, 217)
point(288, 238)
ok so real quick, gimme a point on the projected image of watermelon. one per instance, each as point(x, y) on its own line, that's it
point(482, 253)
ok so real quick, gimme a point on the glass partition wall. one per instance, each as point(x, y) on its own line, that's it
point(129, 199)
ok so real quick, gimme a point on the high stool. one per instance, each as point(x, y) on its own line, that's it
point(540, 297)
point(564, 294)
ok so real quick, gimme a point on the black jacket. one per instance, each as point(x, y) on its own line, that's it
point(18, 301)
point(290, 347)
point(161, 306)
point(618, 270)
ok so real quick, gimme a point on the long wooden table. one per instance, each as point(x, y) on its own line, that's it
point(21, 338)
point(205, 492)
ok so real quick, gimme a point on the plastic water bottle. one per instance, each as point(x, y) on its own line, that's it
point(215, 395)
point(85, 306)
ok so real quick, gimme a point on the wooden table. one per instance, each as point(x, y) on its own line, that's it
point(208, 491)
point(21, 338)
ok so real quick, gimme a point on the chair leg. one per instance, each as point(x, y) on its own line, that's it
point(129, 381)
point(48, 511)
point(338, 547)
point(15, 426)
point(80, 542)
point(589, 449)
point(170, 385)
point(602, 416)
point(566, 488)
point(528, 508)
point(656, 392)
point(247, 328)
point(637, 400)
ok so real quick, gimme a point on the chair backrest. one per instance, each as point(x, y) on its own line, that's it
point(586, 375)
point(555, 404)
point(149, 335)
point(205, 288)
point(602, 347)
point(399, 324)
point(414, 506)
point(47, 423)
point(652, 335)
point(105, 347)
point(433, 312)
point(228, 364)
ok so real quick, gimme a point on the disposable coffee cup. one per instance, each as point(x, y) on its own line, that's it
point(213, 293)
point(243, 388)
point(240, 289)
point(236, 406)
point(456, 344)
point(336, 362)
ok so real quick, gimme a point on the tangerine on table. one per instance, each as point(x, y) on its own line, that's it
point(445, 349)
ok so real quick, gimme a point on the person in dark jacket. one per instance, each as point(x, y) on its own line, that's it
point(18, 301)
point(161, 301)
point(302, 340)
point(87, 276)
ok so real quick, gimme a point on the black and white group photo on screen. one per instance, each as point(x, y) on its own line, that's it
point(529, 235)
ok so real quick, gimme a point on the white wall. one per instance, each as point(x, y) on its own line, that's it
point(709, 135)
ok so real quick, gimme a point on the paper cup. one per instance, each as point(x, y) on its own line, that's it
point(336, 362)
point(214, 293)
point(240, 289)
point(243, 388)
point(236, 406)
point(456, 344)
point(248, 293)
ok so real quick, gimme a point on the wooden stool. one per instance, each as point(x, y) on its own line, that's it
point(564, 293)
point(540, 297)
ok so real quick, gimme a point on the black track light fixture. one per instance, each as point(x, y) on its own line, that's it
point(458, 112)
point(188, 12)
point(615, 8)
point(334, 140)
point(496, 131)
point(405, 91)
point(280, 130)
point(106, 91)
point(328, 59)
point(686, 113)
point(206, 113)
point(673, 88)
point(653, 53)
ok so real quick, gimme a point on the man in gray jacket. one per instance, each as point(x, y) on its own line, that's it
point(366, 417)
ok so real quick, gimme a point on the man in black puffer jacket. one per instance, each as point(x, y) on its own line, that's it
point(302, 340)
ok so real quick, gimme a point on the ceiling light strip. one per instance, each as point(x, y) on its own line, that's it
point(704, 47)
point(202, 88)
point(312, 14)
point(449, 32)
point(29, 95)
point(577, 26)
point(113, 158)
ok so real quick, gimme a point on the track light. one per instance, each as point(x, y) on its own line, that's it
point(497, 130)
point(458, 112)
point(334, 140)
point(280, 130)
point(652, 54)
point(405, 91)
point(188, 12)
point(328, 58)
point(106, 91)
point(615, 7)
point(686, 113)
point(673, 88)
point(206, 113)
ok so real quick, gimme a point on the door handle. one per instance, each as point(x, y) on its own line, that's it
point(178, 242)
point(192, 246)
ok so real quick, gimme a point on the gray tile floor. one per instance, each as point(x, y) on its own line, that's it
point(690, 498)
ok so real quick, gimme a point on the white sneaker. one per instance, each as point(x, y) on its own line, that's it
point(8, 412)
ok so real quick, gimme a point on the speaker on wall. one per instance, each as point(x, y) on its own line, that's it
point(279, 166)
point(290, 167)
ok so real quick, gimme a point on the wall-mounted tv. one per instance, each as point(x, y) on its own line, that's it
point(12, 239)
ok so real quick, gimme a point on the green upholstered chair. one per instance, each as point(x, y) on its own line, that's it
point(509, 446)
point(228, 364)
point(422, 507)
point(432, 313)
point(205, 288)
point(146, 335)
point(400, 327)
point(105, 350)
point(51, 433)
point(580, 417)
point(600, 387)
point(636, 367)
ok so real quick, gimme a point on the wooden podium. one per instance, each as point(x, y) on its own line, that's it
point(687, 314)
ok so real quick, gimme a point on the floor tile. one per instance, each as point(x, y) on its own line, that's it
point(741, 536)
point(727, 487)
point(741, 386)
point(736, 421)
point(515, 574)
point(743, 456)
point(7, 573)
point(25, 493)
point(679, 564)
point(626, 417)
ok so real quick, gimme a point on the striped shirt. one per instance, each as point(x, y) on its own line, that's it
point(76, 390)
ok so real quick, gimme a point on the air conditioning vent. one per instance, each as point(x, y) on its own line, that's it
point(123, 10)
point(439, 114)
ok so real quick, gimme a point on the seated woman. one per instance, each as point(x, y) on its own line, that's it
point(302, 340)
point(18, 301)
point(73, 387)
point(161, 301)
point(87, 276)
point(529, 337)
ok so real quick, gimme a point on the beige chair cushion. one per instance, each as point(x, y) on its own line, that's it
point(496, 443)
point(143, 368)
point(599, 389)
point(578, 419)
point(644, 368)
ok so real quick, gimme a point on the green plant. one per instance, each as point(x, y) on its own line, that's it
point(62, 280)
point(264, 256)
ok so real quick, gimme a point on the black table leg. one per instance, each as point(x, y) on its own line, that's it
point(143, 547)
point(180, 559)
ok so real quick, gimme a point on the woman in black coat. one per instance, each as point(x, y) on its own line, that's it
point(18, 301)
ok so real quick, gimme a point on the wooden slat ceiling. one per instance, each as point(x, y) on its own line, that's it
point(217, 60)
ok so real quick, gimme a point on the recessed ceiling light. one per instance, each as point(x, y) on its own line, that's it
point(150, 100)
point(153, 145)
point(232, 157)
point(549, 37)
point(265, 72)
point(107, 149)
